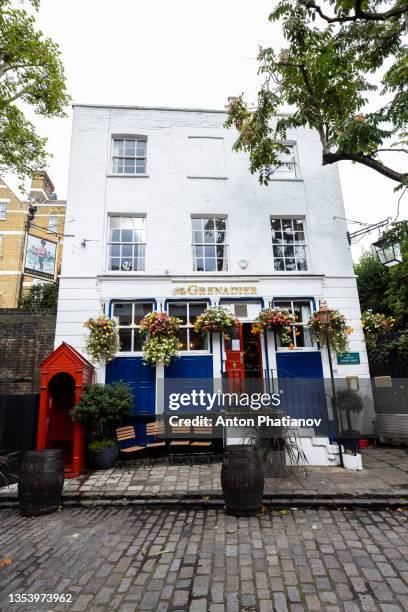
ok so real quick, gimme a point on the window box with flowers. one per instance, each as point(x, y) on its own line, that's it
point(278, 320)
point(102, 342)
point(335, 331)
point(215, 319)
point(160, 340)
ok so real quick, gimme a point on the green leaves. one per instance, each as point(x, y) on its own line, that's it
point(323, 74)
point(31, 73)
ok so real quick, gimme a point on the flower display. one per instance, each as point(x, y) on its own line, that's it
point(279, 320)
point(375, 324)
point(160, 349)
point(102, 343)
point(336, 329)
point(159, 324)
point(215, 319)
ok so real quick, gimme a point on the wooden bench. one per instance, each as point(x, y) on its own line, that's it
point(156, 430)
point(127, 442)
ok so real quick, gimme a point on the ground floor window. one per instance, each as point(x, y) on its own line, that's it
point(128, 316)
point(187, 312)
point(301, 310)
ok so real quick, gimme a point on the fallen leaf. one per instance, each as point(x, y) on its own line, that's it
point(5, 562)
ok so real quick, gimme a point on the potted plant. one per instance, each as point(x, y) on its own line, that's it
point(101, 409)
point(278, 447)
point(278, 320)
point(215, 319)
point(102, 342)
point(349, 401)
point(161, 343)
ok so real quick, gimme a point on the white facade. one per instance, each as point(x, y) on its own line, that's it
point(191, 171)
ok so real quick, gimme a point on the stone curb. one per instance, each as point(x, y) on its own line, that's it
point(209, 499)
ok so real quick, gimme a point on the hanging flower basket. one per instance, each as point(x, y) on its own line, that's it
point(159, 324)
point(215, 319)
point(374, 325)
point(102, 343)
point(279, 320)
point(160, 349)
point(336, 328)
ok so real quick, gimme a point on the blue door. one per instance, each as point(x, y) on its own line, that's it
point(188, 373)
point(302, 389)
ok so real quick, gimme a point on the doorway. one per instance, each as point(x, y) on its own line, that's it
point(243, 356)
point(60, 433)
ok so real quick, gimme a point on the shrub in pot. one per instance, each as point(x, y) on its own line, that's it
point(276, 444)
point(349, 402)
point(103, 408)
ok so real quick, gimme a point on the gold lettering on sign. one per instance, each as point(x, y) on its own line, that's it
point(215, 290)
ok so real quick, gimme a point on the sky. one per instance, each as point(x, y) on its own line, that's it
point(179, 53)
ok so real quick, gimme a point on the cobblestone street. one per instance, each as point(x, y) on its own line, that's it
point(145, 559)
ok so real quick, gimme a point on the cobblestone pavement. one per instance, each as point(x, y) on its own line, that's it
point(385, 471)
point(197, 561)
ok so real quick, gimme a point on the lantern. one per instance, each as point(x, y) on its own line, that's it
point(389, 254)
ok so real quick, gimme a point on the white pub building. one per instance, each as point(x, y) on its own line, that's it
point(165, 216)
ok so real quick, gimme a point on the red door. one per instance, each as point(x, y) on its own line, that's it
point(234, 360)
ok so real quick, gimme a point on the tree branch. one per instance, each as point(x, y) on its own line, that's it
point(365, 160)
point(392, 150)
point(396, 11)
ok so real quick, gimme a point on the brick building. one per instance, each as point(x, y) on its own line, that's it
point(30, 238)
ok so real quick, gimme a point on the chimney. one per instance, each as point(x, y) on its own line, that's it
point(41, 187)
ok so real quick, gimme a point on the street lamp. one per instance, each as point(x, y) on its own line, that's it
point(389, 254)
point(324, 316)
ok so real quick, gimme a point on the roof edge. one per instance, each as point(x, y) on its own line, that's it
point(160, 108)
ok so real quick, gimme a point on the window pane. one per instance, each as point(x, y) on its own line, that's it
point(141, 309)
point(139, 265)
point(118, 146)
point(139, 222)
point(196, 224)
point(114, 250)
point(199, 265)
point(198, 342)
point(122, 313)
point(279, 265)
point(298, 225)
point(222, 265)
point(220, 237)
point(278, 251)
point(288, 250)
point(287, 230)
point(209, 251)
point(195, 310)
point(299, 236)
point(137, 340)
point(301, 264)
point(127, 250)
point(118, 165)
point(125, 339)
point(126, 235)
point(197, 237)
point(141, 148)
point(130, 148)
point(115, 235)
point(114, 222)
point(300, 251)
point(221, 251)
point(290, 265)
point(276, 224)
point(182, 336)
point(179, 311)
point(126, 265)
point(208, 224)
point(209, 236)
point(220, 224)
point(114, 264)
point(129, 166)
point(139, 250)
point(210, 265)
point(140, 166)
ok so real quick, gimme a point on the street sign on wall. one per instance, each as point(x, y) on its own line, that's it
point(348, 358)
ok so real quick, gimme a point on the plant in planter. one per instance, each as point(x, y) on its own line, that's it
point(336, 330)
point(101, 409)
point(161, 343)
point(215, 319)
point(278, 320)
point(102, 342)
point(349, 401)
point(276, 444)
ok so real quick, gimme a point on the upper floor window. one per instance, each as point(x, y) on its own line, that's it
point(301, 310)
point(187, 312)
point(210, 245)
point(126, 243)
point(288, 167)
point(52, 223)
point(129, 155)
point(128, 316)
point(3, 210)
point(289, 244)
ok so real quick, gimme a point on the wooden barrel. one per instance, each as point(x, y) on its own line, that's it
point(41, 482)
point(242, 480)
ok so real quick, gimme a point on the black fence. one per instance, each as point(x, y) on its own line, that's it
point(18, 429)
